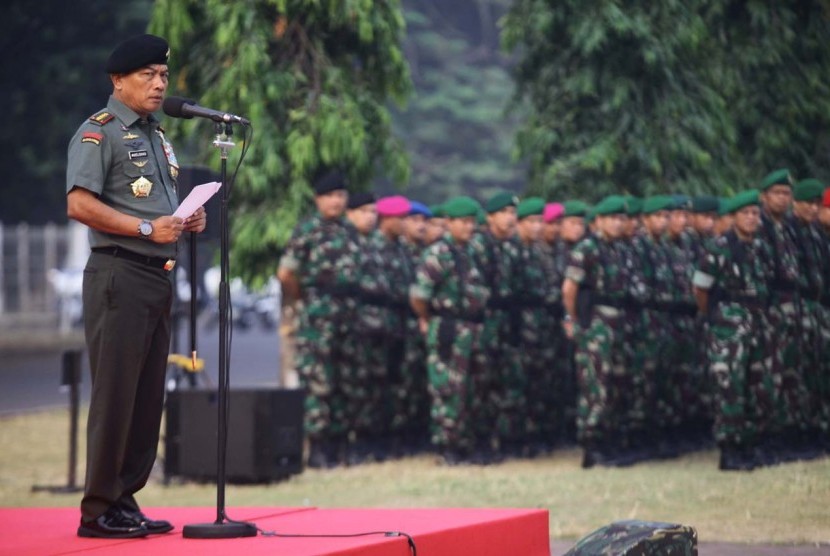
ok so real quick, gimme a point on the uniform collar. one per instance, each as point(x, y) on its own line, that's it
point(126, 114)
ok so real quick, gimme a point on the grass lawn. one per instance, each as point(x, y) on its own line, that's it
point(783, 504)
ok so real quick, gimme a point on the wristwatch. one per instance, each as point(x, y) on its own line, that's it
point(145, 229)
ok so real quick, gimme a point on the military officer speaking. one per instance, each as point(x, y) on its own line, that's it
point(121, 183)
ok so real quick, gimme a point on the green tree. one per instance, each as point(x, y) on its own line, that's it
point(455, 127)
point(691, 96)
point(52, 70)
point(313, 76)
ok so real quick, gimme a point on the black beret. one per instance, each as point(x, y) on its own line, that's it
point(137, 52)
point(357, 200)
point(328, 182)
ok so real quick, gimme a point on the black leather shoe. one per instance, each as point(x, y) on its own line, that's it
point(153, 526)
point(113, 524)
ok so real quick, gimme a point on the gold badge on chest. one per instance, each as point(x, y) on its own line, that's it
point(142, 187)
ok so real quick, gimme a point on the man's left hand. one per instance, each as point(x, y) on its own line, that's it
point(197, 221)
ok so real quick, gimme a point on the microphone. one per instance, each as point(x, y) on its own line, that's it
point(179, 107)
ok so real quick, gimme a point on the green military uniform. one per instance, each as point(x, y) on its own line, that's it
point(456, 293)
point(596, 267)
point(812, 258)
point(736, 277)
point(787, 420)
point(325, 256)
point(127, 295)
point(538, 344)
point(502, 383)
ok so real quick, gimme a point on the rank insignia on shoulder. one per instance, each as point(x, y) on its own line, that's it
point(101, 118)
point(90, 137)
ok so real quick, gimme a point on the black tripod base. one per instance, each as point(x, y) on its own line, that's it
point(224, 530)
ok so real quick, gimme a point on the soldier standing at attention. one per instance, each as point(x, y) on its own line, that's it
point(594, 295)
point(784, 431)
point(320, 267)
point(537, 341)
point(812, 253)
point(419, 231)
point(496, 252)
point(121, 183)
point(401, 388)
point(571, 232)
point(731, 288)
point(365, 342)
point(450, 297)
point(654, 345)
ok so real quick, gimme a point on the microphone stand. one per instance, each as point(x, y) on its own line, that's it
point(222, 528)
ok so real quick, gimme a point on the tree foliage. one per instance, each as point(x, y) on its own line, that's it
point(313, 76)
point(694, 96)
point(52, 72)
point(455, 127)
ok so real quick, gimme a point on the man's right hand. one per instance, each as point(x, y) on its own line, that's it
point(167, 229)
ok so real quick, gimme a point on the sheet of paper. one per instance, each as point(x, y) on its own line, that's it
point(198, 196)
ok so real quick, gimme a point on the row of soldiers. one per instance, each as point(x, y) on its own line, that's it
point(502, 330)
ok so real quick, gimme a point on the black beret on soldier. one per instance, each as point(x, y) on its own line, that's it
point(137, 52)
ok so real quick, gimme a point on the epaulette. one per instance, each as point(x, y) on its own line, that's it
point(101, 118)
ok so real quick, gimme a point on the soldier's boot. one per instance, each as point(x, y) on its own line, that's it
point(358, 452)
point(451, 456)
point(737, 458)
point(665, 447)
point(596, 453)
point(322, 454)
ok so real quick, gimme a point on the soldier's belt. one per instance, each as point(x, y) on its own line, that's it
point(476, 318)
point(343, 290)
point(676, 307)
point(162, 263)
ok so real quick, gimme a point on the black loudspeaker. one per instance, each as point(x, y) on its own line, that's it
point(637, 538)
point(265, 435)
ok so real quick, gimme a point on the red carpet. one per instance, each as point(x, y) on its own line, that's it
point(436, 532)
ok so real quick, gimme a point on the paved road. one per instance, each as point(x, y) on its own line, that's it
point(30, 380)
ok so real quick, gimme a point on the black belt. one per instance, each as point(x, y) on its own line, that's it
point(121, 253)
point(466, 317)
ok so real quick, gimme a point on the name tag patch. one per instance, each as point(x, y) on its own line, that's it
point(138, 154)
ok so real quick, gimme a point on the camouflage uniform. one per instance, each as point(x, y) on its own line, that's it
point(811, 247)
point(413, 366)
point(686, 341)
point(564, 386)
point(567, 364)
point(824, 333)
point(502, 383)
point(373, 328)
point(595, 264)
point(784, 320)
point(539, 341)
point(457, 296)
point(634, 327)
point(737, 280)
point(325, 256)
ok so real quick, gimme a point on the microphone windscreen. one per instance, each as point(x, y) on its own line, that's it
point(172, 106)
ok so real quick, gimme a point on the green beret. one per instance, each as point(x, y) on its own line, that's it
point(705, 203)
point(530, 206)
point(481, 217)
point(778, 177)
point(501, 201)
point(613, 204)
point(137, 52)
point(657, 203)
point(575, 208)
point(681, 202)
point(723, 206)
point(461, 207)
point(808, 190)
point(743, 199)
point(438, 211)
point(635, 205)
